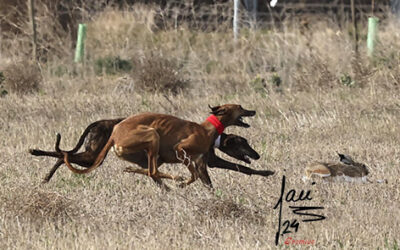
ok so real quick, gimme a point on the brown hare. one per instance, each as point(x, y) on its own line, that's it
point(346, 170)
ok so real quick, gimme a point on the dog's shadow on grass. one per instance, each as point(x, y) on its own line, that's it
point(228, 209)
point(37, 204)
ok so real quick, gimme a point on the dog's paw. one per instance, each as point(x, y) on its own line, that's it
point(33, 151)
point(129, 170)
point(44, 181)
point(165, 188)
point(179, 179)
point(266, 172)
point(182, 185)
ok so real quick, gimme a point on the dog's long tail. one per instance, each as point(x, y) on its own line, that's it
point(56, 154)
point(100, 158)
point(81, 139)
point(59, 152)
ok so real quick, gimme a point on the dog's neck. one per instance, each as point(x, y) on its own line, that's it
point(214, 128)
point(216, 123)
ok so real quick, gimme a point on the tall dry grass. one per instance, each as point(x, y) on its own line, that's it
point(312, 98)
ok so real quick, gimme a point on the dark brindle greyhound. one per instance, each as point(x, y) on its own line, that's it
point(98, 133)
point(95, 138)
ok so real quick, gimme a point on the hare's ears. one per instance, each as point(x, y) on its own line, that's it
point(345, 159)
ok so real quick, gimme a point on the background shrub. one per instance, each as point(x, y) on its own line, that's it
point(22, 77)
point(156, 73)
point(111, 65)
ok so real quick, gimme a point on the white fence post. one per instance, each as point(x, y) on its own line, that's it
point(395, 6)
point(235, 18)
point(254, 10)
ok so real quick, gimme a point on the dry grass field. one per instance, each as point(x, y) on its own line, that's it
point(313, 97)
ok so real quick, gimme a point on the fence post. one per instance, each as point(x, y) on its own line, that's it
point(235, 18)
point(255, 10)
point(372, 33)
point(395, 7)
point(355, 31)
point(31, 7)
point(80, 43)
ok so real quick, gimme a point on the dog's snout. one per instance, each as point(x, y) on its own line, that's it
point(249, 113)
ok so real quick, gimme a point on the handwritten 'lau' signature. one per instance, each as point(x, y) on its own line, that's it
point(298, 210)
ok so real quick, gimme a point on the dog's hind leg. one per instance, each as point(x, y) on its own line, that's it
point(58, 163)
point(143, 138)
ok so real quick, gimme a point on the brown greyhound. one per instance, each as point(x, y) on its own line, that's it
point(171, 138)
point(98, 133)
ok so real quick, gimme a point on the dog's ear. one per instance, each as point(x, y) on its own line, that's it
point(229, 141)
point(217, 110)
point(213, 109)
point(220, 111)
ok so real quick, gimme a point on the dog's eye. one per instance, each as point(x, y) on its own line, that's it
point(241, 140)
point(230, 142)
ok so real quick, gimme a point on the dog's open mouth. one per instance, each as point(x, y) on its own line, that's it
point(252, 156)
point(246, 113)
point(241, 123)
point(246, 159)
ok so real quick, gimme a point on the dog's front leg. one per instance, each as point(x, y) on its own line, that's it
point(202, 171)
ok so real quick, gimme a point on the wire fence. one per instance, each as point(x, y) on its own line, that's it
point(219, 16)
point(200, 14)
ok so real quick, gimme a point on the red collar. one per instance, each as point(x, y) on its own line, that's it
point(216, 123)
